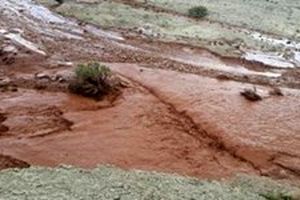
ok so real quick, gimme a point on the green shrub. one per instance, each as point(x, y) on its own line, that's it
point(60, 1)
point(93, 71)
point(91, 80)
point(198, 12)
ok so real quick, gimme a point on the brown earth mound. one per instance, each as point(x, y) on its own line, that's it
point(10, 162)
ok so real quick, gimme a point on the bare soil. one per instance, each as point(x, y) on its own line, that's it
point(9, 162)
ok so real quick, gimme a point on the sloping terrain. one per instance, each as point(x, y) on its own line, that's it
point(227, 31)
point(179, 111)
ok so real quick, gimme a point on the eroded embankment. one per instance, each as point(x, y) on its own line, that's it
point(9, 162)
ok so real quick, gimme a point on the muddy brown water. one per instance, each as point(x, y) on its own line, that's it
point(164, 121)
point(137, 132)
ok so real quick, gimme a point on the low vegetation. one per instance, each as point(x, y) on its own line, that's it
point(198, 12)
point(277, 196)
point(105, 182)
point(92, 80)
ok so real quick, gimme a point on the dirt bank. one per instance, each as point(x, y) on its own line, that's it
point(9, 162)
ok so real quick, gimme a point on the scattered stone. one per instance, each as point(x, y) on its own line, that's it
point(42, 75)
point(2, 117)
point(251, 95)
point(223, 77)
point(147, 31)
point(276, 92)
point(2, 31)
point(63, 76)
point(3, 128)
point(13, 88)
point(7, 86)
point(40, 86)
point(4, 82)
point(16, 31)
point(9, 49)
point(8, 60)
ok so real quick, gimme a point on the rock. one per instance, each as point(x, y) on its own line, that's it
point(42, 76)
point(276, 92)
point(8, 60)
point(223, 77)
point(9, 49)
point(3, 128)
point(251, 95)
point(64, 76)
point(2, 31)
point(16, 31)
point(147, 31)
point(58, 78)
point(4, 82)
point(12, 88)
point(2, 117)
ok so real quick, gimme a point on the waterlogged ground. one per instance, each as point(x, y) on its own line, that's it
point(112, 183)
point(179, 110)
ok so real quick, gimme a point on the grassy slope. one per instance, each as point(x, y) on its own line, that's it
point(274, 16)
point(224, 40)
point(112, 183)
point(280, 17)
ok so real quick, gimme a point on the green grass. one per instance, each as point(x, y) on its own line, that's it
point(113, 183)
point(219, 38)
point(109, 14)
point(276, 16)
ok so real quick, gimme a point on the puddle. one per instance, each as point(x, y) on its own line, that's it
point(289, 58)
point(279, 42)
point(214, 63)
point(39, 12)
point(270, 59)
